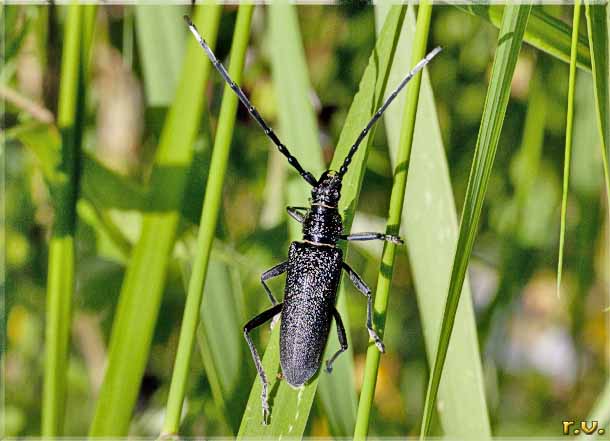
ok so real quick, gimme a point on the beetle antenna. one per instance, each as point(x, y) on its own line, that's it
point(352, 151)
point(251, 109)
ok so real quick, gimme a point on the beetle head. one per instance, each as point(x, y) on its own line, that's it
point(328, 189)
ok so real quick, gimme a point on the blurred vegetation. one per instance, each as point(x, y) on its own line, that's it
point(545, 358)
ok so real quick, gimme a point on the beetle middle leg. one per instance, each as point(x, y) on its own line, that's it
point(364, 289)
point(373, 236)
point(260, 319)
point(270, 274)
point(342, 340)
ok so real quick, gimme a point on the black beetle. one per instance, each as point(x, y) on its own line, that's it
point(314, 264)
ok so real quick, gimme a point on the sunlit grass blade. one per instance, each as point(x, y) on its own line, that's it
point(299, 130)
point(568, 144)
point(597, 25)
point(544, 32)
point(510, 38)
point(431, 253)
point(144, 281)
point(401, 168)
point(290, 408)
point(207, 227)
point(64, 187)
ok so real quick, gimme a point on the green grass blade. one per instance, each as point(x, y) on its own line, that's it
point(399, 185)
point(142, 288)
point(64, 184)
point(601, 410)
point(544, 32)
point(219, 335)
point(526, 162)
point(507, 52)
point(568, 143)
point(298, 128)
point(156, 33)
point(221, 343)
point(597, 24)
point(207, 228)
point(431, 254)
point(290, 408)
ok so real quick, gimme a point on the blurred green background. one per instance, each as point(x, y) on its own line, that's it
point(545, 359)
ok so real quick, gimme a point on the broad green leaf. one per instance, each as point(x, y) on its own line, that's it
point(290, 408)
point(510, 38)
point(299, 131)
point(140, 297)
point(543, 31)
point(430, 209)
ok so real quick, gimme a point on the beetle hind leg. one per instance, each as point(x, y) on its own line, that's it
point(342, 340)
point(251, 325)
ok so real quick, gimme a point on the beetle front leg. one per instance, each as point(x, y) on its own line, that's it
point(364, 289)
point(373, 236)
point(342, 340)
point(253, 324)
point(295, 213)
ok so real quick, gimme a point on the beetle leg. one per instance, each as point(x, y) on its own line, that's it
point(361, 286)
point(253, 324)
point(342, 340)
point(271, 273)
point(295, 213)
point(373, 236)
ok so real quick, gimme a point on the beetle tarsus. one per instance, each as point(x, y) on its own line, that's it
point(394, 239)
point(377, 340)
point(265, 405)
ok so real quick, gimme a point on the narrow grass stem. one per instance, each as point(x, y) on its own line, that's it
point(394, 216)
point(207, 228)
point(60, 277)
point(568, 142)
point(60, 288)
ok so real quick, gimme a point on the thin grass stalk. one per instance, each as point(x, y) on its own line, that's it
point(207, 227)
point(568, 143)
point(384, 280)
point(140, 297)
point(510, 38)
point(64, 191)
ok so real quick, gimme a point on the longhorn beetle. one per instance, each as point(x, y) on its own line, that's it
point(314, 264)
